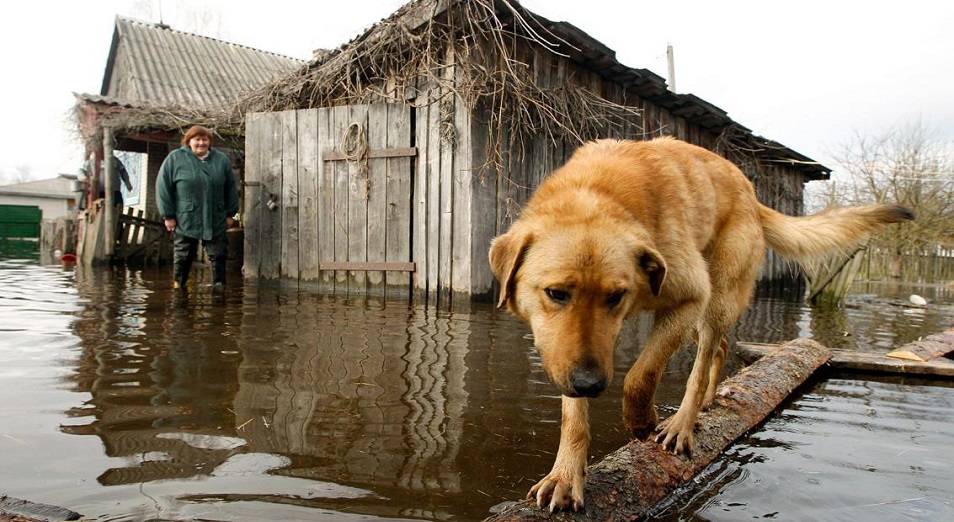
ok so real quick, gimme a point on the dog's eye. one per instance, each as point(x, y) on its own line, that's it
point(614, 299)
point(557, 295)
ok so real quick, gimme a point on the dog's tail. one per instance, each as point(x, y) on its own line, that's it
point(836, 230)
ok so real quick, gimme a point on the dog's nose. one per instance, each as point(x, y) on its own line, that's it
point(588, 382)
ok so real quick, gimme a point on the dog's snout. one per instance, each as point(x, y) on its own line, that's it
point(588, 382)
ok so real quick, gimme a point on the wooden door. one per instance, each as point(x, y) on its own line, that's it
point(328, 196)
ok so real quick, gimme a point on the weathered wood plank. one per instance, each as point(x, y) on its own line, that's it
point(270, 241)
point(342, 198)
point(446, 145)
point(308, 173)
point(326, 195)
point(862, 361)
point(254, 198)
point(359, 183)
point(421, 195)
point(398, 236)
point(377, 196)
point(928, 348)
point(628, 482)
point(465, 222)
point(289, 197)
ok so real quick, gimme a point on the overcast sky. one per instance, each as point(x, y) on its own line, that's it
point(808, 74)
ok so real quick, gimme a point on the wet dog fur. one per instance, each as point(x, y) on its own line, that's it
point(657, 226)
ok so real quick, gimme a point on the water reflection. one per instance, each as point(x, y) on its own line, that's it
point(279, 404)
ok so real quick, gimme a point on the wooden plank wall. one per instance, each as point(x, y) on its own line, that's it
point(330, 210)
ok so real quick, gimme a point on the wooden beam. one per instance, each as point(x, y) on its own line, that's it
point(334, 155)
point(630, 481)
point(366, 266)
point(863, 361)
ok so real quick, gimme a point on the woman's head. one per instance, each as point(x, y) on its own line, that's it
point(198, 138)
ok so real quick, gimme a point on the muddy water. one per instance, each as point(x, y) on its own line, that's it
point(125, 401)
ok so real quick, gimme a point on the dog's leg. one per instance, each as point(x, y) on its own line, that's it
point(670, 329)
point(676, 431)
point(715, 372)
point(563, 486)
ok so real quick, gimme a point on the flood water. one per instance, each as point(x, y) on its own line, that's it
point(124, 401)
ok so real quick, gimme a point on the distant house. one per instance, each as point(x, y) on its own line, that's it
point(24, 205)
point(391, 162)
point(56, 197)
point(159, 81)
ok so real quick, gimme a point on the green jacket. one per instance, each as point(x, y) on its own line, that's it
point(198, 194)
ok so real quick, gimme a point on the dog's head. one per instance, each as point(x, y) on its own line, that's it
point(575, 284)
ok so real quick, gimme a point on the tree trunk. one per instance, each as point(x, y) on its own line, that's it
point(629, 481)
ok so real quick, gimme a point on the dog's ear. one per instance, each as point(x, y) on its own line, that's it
point(653, 265)
point(506, 255)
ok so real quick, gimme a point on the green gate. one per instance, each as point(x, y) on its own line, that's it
point(20, 221)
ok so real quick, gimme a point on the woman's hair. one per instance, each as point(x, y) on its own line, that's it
point(197, 130)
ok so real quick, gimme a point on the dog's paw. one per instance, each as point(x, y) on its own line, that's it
point(676, 433)
point(559, 491)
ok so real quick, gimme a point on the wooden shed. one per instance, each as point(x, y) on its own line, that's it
point(158, 81)
point(390, 163)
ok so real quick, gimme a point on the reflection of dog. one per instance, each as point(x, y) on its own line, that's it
point(659, 226)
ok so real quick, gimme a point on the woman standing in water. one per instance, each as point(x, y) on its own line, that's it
point(197, 198)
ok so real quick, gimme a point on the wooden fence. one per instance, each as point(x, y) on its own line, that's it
point(924, 268)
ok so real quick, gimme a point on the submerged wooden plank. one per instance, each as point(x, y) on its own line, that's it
point(863, 361)
point(629, 481)
point(931, 347)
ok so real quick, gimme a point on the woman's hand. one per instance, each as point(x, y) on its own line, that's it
point(170, 224)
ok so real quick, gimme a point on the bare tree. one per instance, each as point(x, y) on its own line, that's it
point(22, 172)
point(909, 165)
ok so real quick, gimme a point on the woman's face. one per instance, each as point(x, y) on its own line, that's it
point(199, 145)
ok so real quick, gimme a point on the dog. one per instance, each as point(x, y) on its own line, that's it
point(658, 226)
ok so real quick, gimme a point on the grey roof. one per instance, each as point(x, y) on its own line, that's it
point(54, 188)
point(158, 65)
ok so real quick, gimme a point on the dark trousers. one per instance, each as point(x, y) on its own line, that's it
point(186, 249)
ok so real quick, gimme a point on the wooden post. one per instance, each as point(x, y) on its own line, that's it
point(109, 234)
point(629, 481)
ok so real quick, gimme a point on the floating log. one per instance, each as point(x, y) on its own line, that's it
point(931, 347)
point(863, 361)
point(631, 480)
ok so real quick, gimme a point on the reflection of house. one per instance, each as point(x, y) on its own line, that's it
point(386, 412)
point(159, 81)
point(394, 159)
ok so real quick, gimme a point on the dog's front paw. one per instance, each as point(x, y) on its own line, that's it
point(559, 490)
point(676, 433)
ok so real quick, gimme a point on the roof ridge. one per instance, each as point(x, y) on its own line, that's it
point(167, 27)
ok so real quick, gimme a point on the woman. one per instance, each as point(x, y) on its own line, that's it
point(197, 197)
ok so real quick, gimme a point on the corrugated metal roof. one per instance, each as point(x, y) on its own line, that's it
point(158, 65)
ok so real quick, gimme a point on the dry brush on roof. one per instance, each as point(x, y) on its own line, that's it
point(93, 115)
point(467, 48)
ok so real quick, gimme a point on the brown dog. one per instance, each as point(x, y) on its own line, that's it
point(660, 226)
